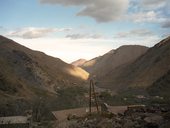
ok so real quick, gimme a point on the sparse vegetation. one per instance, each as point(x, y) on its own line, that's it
point(71, 97)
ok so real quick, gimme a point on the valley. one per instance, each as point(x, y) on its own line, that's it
point(129, 75)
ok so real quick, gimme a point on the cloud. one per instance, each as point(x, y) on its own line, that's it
point(135, 33)
point(32, 32)
point(100, 10)
point(153, 11)
point(149, 16)
point(153, 4)
point(166, 24)
point(84, 36)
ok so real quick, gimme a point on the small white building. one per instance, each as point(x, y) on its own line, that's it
point(19, 121)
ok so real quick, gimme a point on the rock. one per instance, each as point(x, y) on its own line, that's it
point(72, 116)
point(104, 108)
point(154, 119)
point(105, 123)
point(151, 125)
point(167, 116)
point(128, 124)
point(135, 117)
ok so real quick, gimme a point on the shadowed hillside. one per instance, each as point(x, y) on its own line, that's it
point(161, 86)
point(22, 67)
point(102, 65)
point(143, 72)
point(27, 75)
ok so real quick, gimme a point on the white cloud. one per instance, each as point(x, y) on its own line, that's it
point(32, 32)
point(153, 4)
point(153, 11)
point(100, 10)
point(143, 37)
point(84, 36)
point(149, 16)
point(135, 33)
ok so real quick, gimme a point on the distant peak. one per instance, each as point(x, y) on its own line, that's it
point(130, 46)
point(81, 59)
point(111, 51)
point(79, 62)
point(163, 42)
point(3, 37)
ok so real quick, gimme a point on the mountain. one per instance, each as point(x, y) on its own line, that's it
point(146, 71)
point(27, 74)
point(22, 67)
point(79, 62)
point(102, 65)
point(161, 86)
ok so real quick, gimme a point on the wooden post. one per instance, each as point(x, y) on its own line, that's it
point(90, 97)
point(95, 98)
point(92, 91)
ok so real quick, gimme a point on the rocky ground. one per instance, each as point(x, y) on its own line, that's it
point(134, 117)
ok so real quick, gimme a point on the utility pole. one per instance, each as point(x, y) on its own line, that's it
point(95, 98)
point(92, 93)
point(90, 97)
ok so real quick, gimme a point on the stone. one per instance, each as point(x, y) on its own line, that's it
point(157, 119)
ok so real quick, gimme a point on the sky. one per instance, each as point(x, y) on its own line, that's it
point(74, 29)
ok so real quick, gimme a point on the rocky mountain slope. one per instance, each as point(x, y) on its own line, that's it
point(27, 74)
point(21, 67)
point(145, 71)
point(102, 65)
point(161, 86)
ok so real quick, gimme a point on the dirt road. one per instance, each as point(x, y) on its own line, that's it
point(63, 114)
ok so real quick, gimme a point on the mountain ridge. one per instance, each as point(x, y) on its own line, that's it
point(142, 72)
point(101, 65)
point(79, 62)
point(20, 65)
